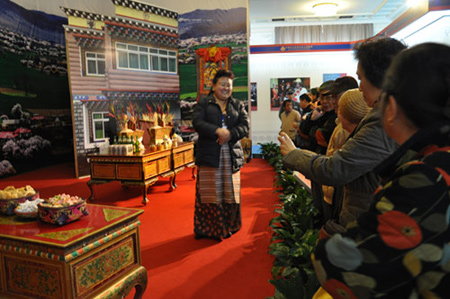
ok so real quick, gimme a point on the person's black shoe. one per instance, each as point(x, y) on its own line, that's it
point(198, 237)
point(228, 235)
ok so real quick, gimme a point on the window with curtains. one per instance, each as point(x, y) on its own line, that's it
point(322, 33)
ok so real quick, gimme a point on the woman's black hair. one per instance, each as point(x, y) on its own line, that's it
point(375, 55)
point(221, 73)
point(305, 97)
point(315, 91)
point(419, 80)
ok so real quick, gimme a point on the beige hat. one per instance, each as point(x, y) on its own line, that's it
point(352, 106)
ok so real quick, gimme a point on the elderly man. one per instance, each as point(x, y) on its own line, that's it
point(319, 125)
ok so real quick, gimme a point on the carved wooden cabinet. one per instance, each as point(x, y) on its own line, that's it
point(97, 256)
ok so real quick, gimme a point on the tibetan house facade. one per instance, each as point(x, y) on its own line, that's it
point(114, 60)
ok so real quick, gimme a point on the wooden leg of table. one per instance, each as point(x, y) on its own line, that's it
point(91, 197)
point(90, 184)
point(173, 185)
point(194, 173)
point(140, 283)
point(144, 195)
point(145, 186)
point(137, 279)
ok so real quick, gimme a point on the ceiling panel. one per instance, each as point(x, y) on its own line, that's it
point(292, 10)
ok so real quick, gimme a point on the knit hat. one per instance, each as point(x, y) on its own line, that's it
point(352, 106)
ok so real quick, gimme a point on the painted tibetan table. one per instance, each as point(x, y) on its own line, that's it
point(140, 169)
point(97, 256)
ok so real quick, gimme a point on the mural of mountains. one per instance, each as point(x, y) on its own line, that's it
point(200, 23)
point(35, 24)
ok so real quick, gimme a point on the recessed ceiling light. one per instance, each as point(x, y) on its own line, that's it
point(413, 3)
point(325, 9)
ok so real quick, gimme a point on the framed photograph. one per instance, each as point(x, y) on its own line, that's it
point(280, 86)
point(334, 76)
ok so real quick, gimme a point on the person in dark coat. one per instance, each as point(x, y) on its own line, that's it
point(318, 126)
point(221, 122)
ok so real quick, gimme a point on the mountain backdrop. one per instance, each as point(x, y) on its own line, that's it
point(35, 24)
point(200, 23)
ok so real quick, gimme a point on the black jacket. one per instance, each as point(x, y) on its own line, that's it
point(207, 118)
point(325, 125)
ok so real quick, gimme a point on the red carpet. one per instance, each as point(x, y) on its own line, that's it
point(179, 266)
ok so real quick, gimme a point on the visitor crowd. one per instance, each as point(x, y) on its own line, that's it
point(382, 187)
point(377, 154)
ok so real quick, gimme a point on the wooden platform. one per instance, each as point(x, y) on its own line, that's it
point(140, 169)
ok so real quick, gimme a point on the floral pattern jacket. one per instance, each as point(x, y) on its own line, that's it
point(400, 248)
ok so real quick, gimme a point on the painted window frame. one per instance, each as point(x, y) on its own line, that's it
point(96, 59)
point(103, 120)
point(147, 59)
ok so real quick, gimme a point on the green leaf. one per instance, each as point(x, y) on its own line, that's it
point(289, 271)
point(276, 271)
point(289, 288)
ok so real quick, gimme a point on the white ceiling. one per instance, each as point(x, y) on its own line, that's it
point(261, 10)
point(264, 13)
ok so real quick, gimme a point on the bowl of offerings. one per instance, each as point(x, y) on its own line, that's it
point(62, 209)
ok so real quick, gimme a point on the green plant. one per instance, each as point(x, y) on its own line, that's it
point(269, 151)
point(294, 238)
point(295, 233)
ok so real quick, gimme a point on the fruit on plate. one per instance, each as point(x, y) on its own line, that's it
point(62, 200)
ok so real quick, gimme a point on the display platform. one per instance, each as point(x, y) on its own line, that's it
point(140, 169)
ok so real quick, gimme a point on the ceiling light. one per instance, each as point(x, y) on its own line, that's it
point(325, 9)
point(413, 3)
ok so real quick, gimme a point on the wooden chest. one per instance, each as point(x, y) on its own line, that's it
point(97, 256)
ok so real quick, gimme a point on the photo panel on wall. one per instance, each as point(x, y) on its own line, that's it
point(280, 86)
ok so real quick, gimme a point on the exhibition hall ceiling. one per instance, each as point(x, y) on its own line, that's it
point(286, 12)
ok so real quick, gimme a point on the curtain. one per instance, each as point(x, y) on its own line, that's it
point(322, 33)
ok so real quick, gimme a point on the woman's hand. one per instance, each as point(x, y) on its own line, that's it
point(286, 144)
point(223, 135)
